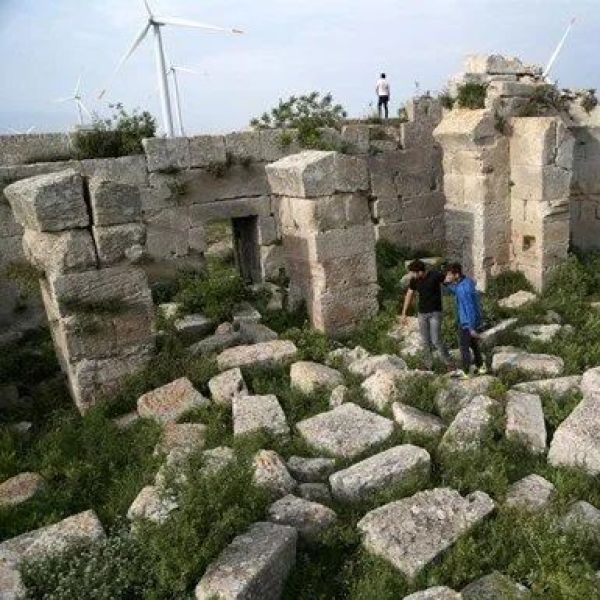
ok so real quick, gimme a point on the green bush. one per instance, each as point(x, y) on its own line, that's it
point(506, 284)
point(471, 95)
point(119, 135)
point(545, 101)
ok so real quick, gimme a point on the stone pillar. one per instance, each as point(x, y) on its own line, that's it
point(328, 237)
point(81, 239)
point(476, 187)
point(541, 159)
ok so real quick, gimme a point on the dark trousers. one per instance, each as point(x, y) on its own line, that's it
point(383, 101)
point(468, 343)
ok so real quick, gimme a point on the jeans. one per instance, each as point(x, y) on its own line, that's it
point(468, 342)
point(430, 326)
point(383, 101)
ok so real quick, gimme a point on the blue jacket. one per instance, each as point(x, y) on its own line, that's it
point(468, 310)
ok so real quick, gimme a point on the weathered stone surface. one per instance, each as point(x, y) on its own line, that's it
point(384, 362)
point(438, 592)
point(413, 420)
point(525, 420)
point(11, 584)
point(226, 386)
point(206, 150)
point(20, 488)
point(252, 414)
point(217, 342)
point(346, 431)
point(344, 357)
point(315, 492)
point(114, 203)
point(540, 364)
point(539, 333)
point(381, 388)
point(182, 438)
point(308, 518)
point(497, 64)
point(256, 333)
point(254, 565)
point(51, 202)
point(53, 539)
point(152, 504)
point(311, 470)
point(582, 516)
point(171, 401)
point(164, 154)
point(126, 420)
point(494, 586)
point(216, 459)
point(403, 465)
point(275, 352)
point(489, 335)
point(315, 173)
point(558, 385)
point(245, 313)
point(576, 441)
point(457, 394)
point(308, 377)
point(470, 425)
point(339, 395)
point(193, 326)
point(271, 474)
point(412, 532)
point(517, 300)
point(532, 493)
point(61, 252)
point(119, 243)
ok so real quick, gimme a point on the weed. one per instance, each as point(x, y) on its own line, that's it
point(26, 277)
point(446, 99)
point(589, 101)
point(545, 101)
point(471, 95)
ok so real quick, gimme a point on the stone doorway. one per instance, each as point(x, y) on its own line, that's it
point(246, 249)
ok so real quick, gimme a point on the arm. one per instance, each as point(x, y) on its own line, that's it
point(407, 300)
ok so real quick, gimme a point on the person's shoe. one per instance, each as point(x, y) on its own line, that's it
point(460, 374)
point(482, 370)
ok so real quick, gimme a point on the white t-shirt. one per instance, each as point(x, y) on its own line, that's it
point(383, 87)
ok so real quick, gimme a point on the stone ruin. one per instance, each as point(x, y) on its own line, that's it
point(487, 187)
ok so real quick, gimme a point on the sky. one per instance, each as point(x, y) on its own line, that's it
point(289, 47)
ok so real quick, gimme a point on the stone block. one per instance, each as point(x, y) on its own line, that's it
point(380, 388)
point(310, 470)
point(193, 326)
point(315, 492)
point(254, 414)
point(266, 353)
point(271, 474)
point(435, 593)
point(171, 401)
point(231, 209)
point(120, 243)
point(412, 420)
point(533, 140)
point(493, 64)
point(525, 420)
point(517, 300)
point(168, 234)
point(51, 202)
point(548, 183)
point(254, 565)
point(539, 333)
point(556, 385)
point(267, 231)
point(206, 150)
point(310, 519)
point(344, 357)
point(365, 367)
point(494, 586)
point(130, 170)
point(346, 431)
point(114, 203)
point(152, 504)
point(217, 459)
point(405, 465)
point(274, 143)
point(532, 493)
point(256, 333)
point(20, 488)
point(356, 137)
point(60, 252)
point(466, 129)
point(339, 395)
point(244, 145)
point(537, 364)
point(308, 377)
point(582, 516)
point(410, 533)
point(167, 154)
point(181, 439)
point(226, 386)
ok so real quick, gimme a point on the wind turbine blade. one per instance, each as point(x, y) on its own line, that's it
point(148, 10)
point(77, 86)
point(60, 100)
point(195, 24)
point(558, 49)
point(136, 42)
point(185, 70)
point(84, 108)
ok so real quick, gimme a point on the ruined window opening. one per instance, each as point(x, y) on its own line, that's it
point(528, 242)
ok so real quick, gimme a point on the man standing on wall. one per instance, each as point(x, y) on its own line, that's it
point(468, 316)
point(428, 284)
point(383, 94)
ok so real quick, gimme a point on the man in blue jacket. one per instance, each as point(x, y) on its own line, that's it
point(468, 316)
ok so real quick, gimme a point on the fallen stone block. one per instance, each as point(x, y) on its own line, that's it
point(407, 464)
point(193, 326)
point(413, 420)
point(381, 388)
point(254, 565)
point(489, 335)
point(494, 586)
point(458, 393)
point(171, 401)
point(11, 584)
point(582, 517)
point(20, 488)
point(217, 459)
point(308, 377)
point(339, 395)
point(557, 385)
point(266, 353)
point(517, 300)
point(525, 420)
point(311, 470)
point(181, 438)
point(346, 431)
point(308, 518)
point(256, 333)
point(435, 593)
point(271, 474)
point(539, 333)
point(252, 414)
point(470, 425)
point(540, 364)
point(344, 357)
point(226, 386)
point(52, 202)
point(114, 203)
point(315, 492)
point(532, 493)
point(245, 313)
point(219, 341)
point(410, 533)
point(384, 362)
point(152, 504)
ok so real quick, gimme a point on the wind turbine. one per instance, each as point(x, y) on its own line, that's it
point(155, 23)
point(81, 107)
point(558, 49)
point(16, 131)
point(172, 71)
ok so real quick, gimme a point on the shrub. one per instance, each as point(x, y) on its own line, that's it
point(507, 283)
point(589, 101)
point(471, 95)
point(445, 99)
point(545, 101)
point(119, 135)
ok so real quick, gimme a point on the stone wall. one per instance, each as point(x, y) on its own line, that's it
point(28, 148)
